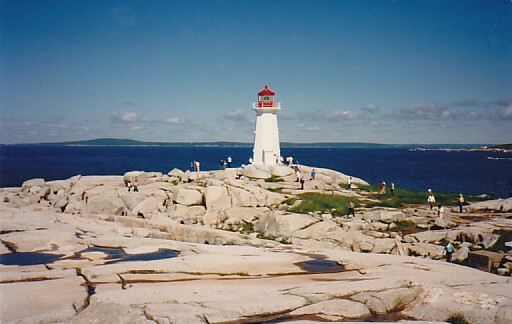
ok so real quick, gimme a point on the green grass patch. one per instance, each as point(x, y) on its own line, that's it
point(405, 197)
point(277, 190)
point(326, 203)
point(406, 227)
point(273, 178)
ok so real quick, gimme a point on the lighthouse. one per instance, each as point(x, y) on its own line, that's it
point(266, 136)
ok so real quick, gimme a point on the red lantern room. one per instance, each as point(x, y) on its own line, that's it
point(266, 98)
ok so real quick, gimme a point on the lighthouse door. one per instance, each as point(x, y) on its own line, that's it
point(268, 157)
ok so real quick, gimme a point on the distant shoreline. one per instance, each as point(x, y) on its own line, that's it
point(362, 145)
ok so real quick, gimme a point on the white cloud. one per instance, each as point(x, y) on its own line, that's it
point(371, 108)
point(236, 115)
point(174, 121)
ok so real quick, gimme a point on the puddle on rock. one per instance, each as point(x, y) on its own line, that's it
point(119, 255)
point(320, 266)
point(28, 258)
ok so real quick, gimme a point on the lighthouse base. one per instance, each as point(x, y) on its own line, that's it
point(266, 138)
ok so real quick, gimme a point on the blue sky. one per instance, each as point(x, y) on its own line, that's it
point(404, 71)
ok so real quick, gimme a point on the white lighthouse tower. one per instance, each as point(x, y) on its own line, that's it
point(266, 136)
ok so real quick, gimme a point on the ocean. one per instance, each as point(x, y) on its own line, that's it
point(454, 171)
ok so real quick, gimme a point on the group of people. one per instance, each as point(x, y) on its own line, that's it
point(382, 187)
point(227, 162)
point(130, 185)
point(431, 200)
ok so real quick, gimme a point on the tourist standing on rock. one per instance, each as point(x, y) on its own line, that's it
point(349, 183)
point(222, 164)
point(351, 209)
point(431, 199)
point(461, 202)
point(392, 189)
point(297, 174)
point(382, 187)
point(129, 185)
point(448, 250)
point(229, 159)
point(135, 186)
point(440, 212)
point(399, 245)
point(302, 183)
point(313, 173)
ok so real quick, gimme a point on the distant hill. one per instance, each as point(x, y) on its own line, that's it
point(504, 146)
point(130, 142)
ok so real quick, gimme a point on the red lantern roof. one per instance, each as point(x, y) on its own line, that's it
point(266, 92)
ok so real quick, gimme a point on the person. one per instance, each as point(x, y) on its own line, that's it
point(399, 245)
point(290, 162)
point(382, 187)
point(440, 211)
point(135, 186)
point(250, 160)
point(129, 185)
point(198, 166)
point(448, 251)
point(229, 159)
point(392, 189)
point(297, 174)
point(461, 202)
point(313, 173)
point(431, 199)
point(349, 183)
point(302, 183)
point(351, 208)
point(222, 165)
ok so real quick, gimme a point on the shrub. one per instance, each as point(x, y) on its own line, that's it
point(273, 178)
point(457, 318)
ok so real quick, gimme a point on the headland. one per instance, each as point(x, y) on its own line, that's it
point(250, 244)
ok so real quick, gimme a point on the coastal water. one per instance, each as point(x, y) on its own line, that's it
point(454, 171)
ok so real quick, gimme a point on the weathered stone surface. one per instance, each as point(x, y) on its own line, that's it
point(98, 312)
point(256, 172)
point(341, 308)
point(499, 205)
point(282, 225)
point(188, 197)
point(107, 204)
point(241, 197)
point(47, 301)
point(33, 183)
point(217, 198)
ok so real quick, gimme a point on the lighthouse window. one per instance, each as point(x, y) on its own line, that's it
point(266, 98)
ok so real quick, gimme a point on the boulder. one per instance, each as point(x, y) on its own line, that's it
point(388, 300)
point(188, 197)
point(444, 223)
point(461, 253)
point(383, 245)
point(217, 198)
point(140, 176)
point(247, 214)
point(241, 197)
point(256, 172)
point(38, 182)
point(106, 204)
point(149, 206)
point(282, 225)
point(282, 171)
point(426, 250)
point(498, 205)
